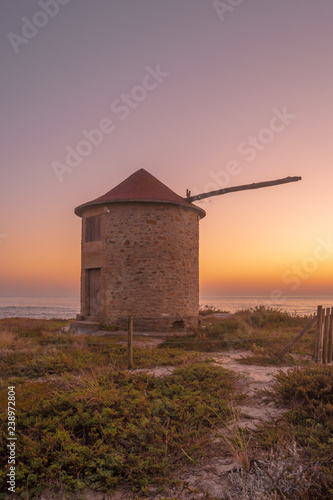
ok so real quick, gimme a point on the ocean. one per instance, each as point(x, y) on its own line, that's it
point(68, 307)
point(294, 305)
point(39, 307)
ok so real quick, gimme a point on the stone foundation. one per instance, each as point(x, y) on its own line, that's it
point(159, 324)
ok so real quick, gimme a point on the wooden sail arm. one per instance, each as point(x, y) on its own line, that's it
point(244, 187)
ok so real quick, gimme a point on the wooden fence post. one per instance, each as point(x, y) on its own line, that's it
point(326, 327)
point(130, 342)
point(317, 337)
point(321, 335)
point(330, 339)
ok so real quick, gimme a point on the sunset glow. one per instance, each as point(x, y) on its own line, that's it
point(210, 103)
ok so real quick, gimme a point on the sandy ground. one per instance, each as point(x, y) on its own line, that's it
point(258, 380)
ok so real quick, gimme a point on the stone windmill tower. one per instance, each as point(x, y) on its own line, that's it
point(140, 255)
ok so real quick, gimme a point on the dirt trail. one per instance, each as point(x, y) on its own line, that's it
point(257, 381)
point(208, 480)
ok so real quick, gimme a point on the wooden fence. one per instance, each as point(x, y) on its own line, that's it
point(323, 344)
point(323, 348)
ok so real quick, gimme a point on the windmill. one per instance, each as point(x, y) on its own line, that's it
point(140, 255)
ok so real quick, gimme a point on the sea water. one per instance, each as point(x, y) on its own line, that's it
point(69, 307)
point(39, 307)
point(294, 305)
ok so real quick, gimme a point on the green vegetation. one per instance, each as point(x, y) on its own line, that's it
point(33, 327)
point(308, 393)
point(38, 350)
point(84, 421)
point(98, 429)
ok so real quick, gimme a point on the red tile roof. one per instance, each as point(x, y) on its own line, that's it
point(143, 187)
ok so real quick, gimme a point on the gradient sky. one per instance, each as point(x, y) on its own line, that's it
point(227, 73)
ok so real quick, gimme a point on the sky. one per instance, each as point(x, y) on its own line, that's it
point(204, 95)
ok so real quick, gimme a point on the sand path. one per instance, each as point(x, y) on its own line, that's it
point(209, 477)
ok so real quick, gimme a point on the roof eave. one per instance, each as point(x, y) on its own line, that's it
point(79, 210)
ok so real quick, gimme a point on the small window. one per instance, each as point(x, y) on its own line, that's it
point(93, 228)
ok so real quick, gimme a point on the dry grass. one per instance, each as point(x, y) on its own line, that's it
point(237, 441)
point(10, 340)
point(12, 344)
point(280, 474)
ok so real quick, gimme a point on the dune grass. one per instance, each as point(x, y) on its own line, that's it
point(85, 421)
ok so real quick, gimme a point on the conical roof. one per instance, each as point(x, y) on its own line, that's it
point(141, 187)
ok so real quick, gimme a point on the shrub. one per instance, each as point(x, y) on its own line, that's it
point(99, 429)
point(208, 310)
point(262, 316)
point(308, 392)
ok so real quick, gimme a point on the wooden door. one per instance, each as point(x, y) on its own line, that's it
point(94, 292)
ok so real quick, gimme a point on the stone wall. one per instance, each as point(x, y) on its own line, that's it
point(149, 264)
